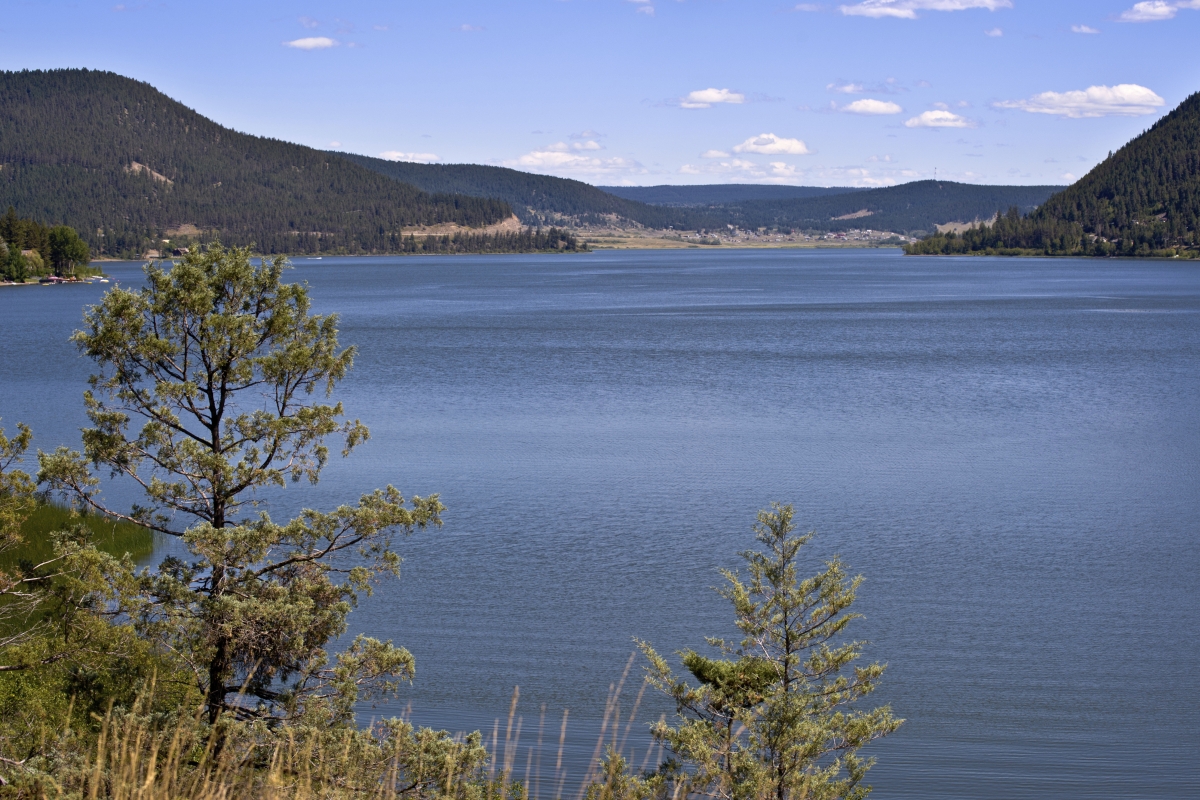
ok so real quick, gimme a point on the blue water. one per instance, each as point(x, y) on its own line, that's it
point(1008, 450)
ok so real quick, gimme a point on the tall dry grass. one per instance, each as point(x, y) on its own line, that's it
point(137, 755)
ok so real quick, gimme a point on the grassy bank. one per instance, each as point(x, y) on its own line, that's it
point(111, 536)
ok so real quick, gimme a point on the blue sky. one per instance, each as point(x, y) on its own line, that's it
point(862, 92)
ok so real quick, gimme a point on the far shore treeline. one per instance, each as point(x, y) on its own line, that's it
point(1143, 200)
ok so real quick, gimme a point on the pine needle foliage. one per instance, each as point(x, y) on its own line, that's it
point(773, 717)
point(209, 391)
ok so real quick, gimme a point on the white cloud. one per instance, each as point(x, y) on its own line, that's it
point(907, 9)
point(420, 158)
point(1069, 177)
point(644, 6)
point(873, 107)
point(1153, 11)
point(739, 169)
point(335, 143)
point(724, 167)
point(309, 22)
point(782, 173)
point(846, 88)
point(311, 43)
point(768, 144)
point(809, 7)
point(705, 98)
point(995, 33)
point(1083, 29)
point(571, 158)
point(1124, 100)
point(714, 154)
point(939, 119)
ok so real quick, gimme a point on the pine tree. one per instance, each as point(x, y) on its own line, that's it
point(204, 397)
point(775, 717)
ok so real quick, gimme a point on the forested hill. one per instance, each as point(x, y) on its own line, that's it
point(909, 208)
point(1143, 200)
point(545, 200)
point(124, 164)
point(715, 194)
point(1148, 192)
point(536, 199)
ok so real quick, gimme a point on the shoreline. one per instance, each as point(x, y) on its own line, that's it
point(636, 244)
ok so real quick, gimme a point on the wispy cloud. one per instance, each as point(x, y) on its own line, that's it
point(1083, 29)
point(707, 98)
point(738, 170)
point(939, 119)
point(1124, 100)
point(714, 154)
point(309, 22)
point(1156, 10)
point(575, 158)
point(312, 43)
point(768, 144)
point(889, 86)
point(643, 6)
point(780, 172)
point(995, 33)
point(470, 28)
point(419, 158)
point(907, 9)
point(872, 107)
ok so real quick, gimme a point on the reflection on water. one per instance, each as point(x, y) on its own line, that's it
point(1004, 448)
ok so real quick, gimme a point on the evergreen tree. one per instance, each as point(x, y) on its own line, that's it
point(774, 718)
point(204, 397)
point(67, 250)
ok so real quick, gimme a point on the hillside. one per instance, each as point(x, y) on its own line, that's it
point(545, 200)
point(127, 166)
point(1142, 200)
point(716, 194)
point(913, 208)
point(536, 199)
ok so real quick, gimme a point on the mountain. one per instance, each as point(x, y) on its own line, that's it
point(544, 200)
point(127, 166)
point(1143, 200)
point(912, 208)
point(536, 199)
point(716, 194)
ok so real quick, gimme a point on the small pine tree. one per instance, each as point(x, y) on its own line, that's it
point(775, 717)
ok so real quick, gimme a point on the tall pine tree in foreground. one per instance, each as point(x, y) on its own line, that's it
point(211, 388)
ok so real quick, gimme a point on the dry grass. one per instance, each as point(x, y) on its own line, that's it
point(138, 756)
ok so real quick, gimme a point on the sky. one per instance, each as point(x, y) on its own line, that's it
point(644, 92)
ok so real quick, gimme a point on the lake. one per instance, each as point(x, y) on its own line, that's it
point(1008, 450)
